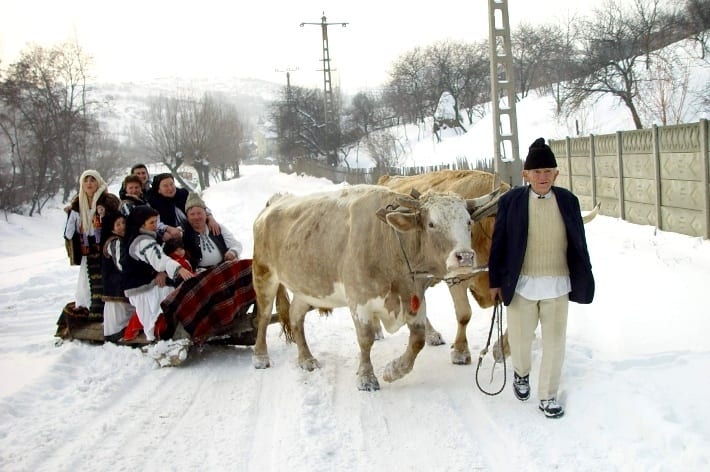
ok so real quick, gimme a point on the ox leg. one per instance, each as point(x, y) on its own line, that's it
point(265, 289)
point(433, 337)
point(297, 315)
point(366, 334)
point(401, 366)
point(460, 354)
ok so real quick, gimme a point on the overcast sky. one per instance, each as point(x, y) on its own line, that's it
point(141, 39)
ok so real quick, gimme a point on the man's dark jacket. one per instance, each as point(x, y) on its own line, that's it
point(510, 238)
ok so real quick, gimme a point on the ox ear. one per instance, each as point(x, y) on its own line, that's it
point(401, 221)
point(382, 214)
point(489, 202)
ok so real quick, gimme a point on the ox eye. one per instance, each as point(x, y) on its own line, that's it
point(431, 225)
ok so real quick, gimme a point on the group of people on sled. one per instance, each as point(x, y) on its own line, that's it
point(152, 260)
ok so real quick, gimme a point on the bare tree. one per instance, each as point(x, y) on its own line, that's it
point(406, 91)
point(698, 18)
point(298, 123)
point(615, 46)
point(385, 148)
point(473, 97)
point(450, 72)
point(48, 120)
point(665, 88)
point(537, 52)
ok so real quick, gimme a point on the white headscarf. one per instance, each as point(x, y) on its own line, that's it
point(87, 209)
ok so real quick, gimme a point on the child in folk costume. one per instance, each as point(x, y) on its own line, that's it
point(117, 310)
point(175, 249)
point(142, 262)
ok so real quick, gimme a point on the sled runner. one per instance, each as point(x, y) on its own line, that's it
point(76, 324)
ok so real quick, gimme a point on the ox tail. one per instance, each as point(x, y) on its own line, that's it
point(282, 308)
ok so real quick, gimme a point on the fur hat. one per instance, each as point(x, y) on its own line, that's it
point(194, 200)
point(540, 156)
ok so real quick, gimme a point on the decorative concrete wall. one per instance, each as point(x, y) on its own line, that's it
point(658, 176)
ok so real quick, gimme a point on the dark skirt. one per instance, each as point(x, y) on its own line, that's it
point(96, 286)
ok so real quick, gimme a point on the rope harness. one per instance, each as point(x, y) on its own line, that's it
point(496, 318)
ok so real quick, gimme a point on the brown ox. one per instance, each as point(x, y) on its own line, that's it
point(468, 184)
point(330, 250)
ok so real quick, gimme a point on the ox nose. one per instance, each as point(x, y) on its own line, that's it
point(464, 258)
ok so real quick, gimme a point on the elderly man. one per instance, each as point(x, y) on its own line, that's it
point(539, 262)
point(205, 247)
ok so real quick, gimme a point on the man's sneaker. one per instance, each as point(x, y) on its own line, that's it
point(521, 387)
point(551, 408)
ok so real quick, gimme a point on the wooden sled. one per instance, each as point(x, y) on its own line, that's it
point(73, 324)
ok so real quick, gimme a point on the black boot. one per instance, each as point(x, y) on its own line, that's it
point(521, 387)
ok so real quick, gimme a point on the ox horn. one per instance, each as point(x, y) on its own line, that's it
point(408, 202)
point(592, 214)
point(474, 204)
point(490, 208)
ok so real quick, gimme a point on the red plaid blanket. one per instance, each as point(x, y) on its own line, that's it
point(210, 303)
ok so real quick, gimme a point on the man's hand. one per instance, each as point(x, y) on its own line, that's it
point(213, 226)
point(496, 293)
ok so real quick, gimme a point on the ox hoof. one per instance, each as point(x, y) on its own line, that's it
point(261, 361)
point(434, 339)
point(395, 370)
point(309, 364)
point(461, 358)
point(368, 383)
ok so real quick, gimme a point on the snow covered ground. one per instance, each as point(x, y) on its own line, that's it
point(634, 383)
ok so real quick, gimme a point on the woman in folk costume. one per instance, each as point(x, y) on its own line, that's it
point(142, 260)
point(83, 236)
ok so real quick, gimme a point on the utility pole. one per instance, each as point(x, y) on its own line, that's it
point(290, 115)
point(330, 120)
point(506, 150)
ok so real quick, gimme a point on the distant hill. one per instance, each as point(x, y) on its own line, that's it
point(127, 101)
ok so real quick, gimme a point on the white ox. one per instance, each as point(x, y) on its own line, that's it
point(331, 250)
